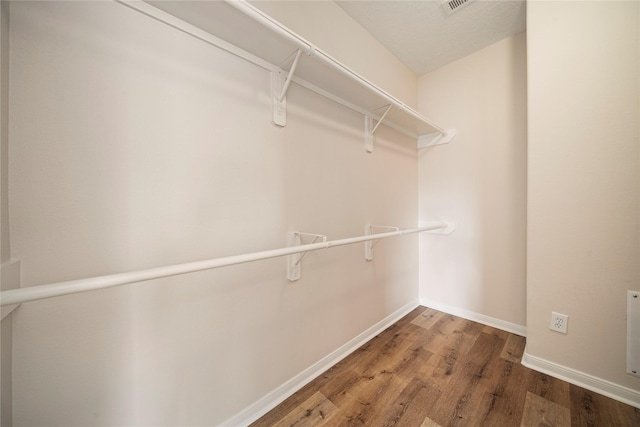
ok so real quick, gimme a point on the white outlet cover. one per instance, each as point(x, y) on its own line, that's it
point(559, 322)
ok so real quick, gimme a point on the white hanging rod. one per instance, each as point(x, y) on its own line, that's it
point(18, 296)
point(257, 15)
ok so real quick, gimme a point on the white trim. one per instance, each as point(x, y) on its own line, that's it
point(278, 395)
point(477, 317)
point(581, 379)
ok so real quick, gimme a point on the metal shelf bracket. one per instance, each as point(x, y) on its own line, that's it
point(432, 139)
point(293, 261)
point(370, 129)
point(369, 244)
point(280, 81)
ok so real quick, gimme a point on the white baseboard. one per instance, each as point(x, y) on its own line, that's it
point(477, 317)
point(278, 395)
point(589, 382)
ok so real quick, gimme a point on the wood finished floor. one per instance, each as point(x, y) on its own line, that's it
point(433, 369)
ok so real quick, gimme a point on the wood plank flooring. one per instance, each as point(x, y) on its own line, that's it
point(432, 369)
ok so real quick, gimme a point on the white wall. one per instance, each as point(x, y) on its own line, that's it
point(583, 247)
point(478, 180)
point(133, 146)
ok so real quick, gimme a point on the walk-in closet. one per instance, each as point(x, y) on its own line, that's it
point(207, 205)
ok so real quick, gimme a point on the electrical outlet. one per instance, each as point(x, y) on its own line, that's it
point(559, 322)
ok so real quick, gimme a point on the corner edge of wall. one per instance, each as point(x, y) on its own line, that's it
point(504, 325)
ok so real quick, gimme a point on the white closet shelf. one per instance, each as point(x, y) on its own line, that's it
point(255, 36)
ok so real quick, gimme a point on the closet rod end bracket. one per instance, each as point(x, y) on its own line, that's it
point(450, 228)
point(437, 138)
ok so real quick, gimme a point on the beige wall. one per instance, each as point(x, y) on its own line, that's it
point(478, 180)
point(136, 146)
point(583, 246)
point(7, 323)
point(4, 136)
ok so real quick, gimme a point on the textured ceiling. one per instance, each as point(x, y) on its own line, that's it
point(424, 37)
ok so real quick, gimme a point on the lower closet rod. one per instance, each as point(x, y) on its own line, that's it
point(32, 293)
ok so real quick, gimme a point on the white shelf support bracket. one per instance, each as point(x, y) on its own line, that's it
point(279, 106)
point(370, 129)
point(280, 81)
point(293, 261)
point(433, 139)
point(290, 75)
point(369, 244)
point(368, 135)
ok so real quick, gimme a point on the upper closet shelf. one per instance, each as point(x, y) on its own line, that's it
point(243, 30)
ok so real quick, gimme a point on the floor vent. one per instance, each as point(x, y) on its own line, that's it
point(451, 6)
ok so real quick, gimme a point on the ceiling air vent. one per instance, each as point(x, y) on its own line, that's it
point(451, 6)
